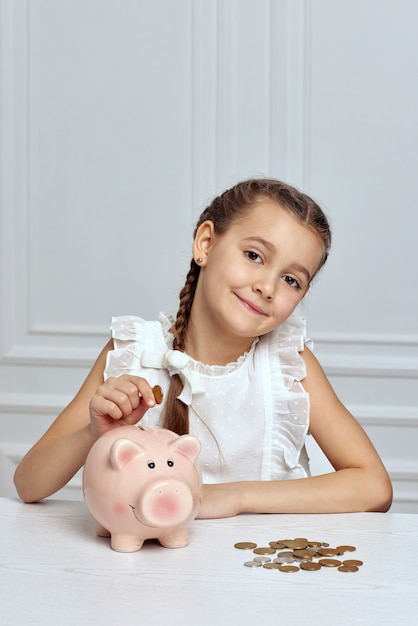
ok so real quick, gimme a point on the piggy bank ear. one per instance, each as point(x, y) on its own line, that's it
point(123, 451)
point(187, 445)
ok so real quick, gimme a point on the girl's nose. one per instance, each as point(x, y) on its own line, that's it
point(265, 290)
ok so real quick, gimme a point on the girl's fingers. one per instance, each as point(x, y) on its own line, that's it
point(119, 397)
point(101, 407)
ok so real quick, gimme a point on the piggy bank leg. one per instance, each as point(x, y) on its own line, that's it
point(101, 531)
point(126, 543)
point(175, 539)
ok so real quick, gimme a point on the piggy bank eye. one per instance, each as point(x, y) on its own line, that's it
point(170, 462)
point(151, 464)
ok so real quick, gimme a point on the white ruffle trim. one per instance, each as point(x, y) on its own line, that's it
point(290, 420)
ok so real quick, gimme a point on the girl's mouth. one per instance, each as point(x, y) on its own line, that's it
point(251, 307)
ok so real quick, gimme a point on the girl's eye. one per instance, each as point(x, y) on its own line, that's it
point(253, 256)
point(292, 282)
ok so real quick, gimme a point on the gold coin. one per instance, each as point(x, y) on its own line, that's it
point(330, 562)
point(354, 562)
point(310, 566)
point(264, 551)
point(245, 545)
point(327, 551)
point(289, 569)
point(158, 394)
point(348, 568)
point(285, 553)
point(315, 544)
point(306, 555)
point(297, 544)
point(345, 549)
point(276, 545)
point(271, 565)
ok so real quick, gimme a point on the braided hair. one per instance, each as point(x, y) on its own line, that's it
point(222, 212)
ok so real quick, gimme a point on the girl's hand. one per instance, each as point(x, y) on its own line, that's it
point(120, 401)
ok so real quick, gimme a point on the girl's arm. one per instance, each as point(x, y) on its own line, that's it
point(360, 482)
point(96, 408)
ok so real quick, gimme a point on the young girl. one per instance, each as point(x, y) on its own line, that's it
point(234, 370)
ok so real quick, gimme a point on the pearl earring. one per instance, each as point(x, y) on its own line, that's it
point(199, 260)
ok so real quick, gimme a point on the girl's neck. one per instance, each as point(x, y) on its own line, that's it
point(211, 349)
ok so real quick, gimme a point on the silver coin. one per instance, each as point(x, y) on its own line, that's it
point(284, 560)
point(252, 564)
point(262, 559)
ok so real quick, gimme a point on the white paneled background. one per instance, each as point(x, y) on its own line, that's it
point(120, 119)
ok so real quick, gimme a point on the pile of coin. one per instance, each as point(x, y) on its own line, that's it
point(293, 555)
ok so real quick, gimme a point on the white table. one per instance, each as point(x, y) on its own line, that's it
point(54, 570)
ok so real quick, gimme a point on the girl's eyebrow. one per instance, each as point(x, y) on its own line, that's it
point(261, 240)
point(303, 270)
point(272, 248)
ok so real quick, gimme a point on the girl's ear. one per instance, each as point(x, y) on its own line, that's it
point(203, 241)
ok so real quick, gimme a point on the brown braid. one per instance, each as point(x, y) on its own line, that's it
point(177, 414)
point(233, 204)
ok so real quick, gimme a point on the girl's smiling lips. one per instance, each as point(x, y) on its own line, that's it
point(249, 305)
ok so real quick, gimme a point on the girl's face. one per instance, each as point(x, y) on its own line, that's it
point(254, 275)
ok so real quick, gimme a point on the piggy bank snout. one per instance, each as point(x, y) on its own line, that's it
point(165, 503)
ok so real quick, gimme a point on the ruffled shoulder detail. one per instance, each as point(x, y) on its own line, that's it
point(290, 416)
point(131, 335)
point(285, 343)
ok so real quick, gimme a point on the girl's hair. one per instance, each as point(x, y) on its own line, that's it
point(233, 204)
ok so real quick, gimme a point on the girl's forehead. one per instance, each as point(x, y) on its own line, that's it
point(267, 214)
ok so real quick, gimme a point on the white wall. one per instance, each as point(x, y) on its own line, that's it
point(119, 120)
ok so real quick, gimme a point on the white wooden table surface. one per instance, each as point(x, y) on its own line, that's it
point(54, 570)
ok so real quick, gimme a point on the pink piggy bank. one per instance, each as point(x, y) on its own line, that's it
point(142, 483)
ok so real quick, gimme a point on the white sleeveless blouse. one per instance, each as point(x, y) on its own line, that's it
point(251, 416)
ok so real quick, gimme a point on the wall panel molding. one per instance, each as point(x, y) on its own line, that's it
point(372, 355)
point(13, 133)
point(386, 416)
point(289, 90)
point(25, 339)
point(371, 339)
point(404, 477)
point(204, 113)
point(371, 367)
point(32, 404)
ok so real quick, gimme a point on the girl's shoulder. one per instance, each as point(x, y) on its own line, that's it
point(132, 328)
